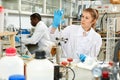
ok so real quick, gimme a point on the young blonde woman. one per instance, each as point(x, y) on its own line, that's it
point(82, 39)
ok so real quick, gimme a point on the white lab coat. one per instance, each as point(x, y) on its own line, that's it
point(41, 36)
point(78, 44)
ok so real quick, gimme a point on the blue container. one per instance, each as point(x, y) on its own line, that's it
point(17, 77)
point(24, 31)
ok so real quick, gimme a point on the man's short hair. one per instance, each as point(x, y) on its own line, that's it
point(36, 15)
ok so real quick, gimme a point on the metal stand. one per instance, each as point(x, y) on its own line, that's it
point(59, 48)
point(110, 43)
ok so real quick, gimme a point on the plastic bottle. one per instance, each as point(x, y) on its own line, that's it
point(11, 64)
point(40, 68)
point(105, 75)
point(1, 19)
point(17, 77)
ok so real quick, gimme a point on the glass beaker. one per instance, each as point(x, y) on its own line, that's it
point(53, 51)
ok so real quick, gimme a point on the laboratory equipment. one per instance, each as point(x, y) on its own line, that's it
point(57, 50)
point(115, 71)
point(36, 67)
point(25, 33)
point(110, 41)
point(116, 57)
point(70, 60)
point(11, 64)
point(58, 53)
point(12, 28)
point(57, 73)
point(105, 75)
point(106, 71)
point(22, 34)
point(62, 71)
point(97, 72)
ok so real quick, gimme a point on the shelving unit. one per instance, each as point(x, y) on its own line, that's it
point(52, 5)
point(28, 6)
point(45, 7)
point(110, 34)
point(10, 4)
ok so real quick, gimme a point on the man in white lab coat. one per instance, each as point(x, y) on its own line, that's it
point(40, 37)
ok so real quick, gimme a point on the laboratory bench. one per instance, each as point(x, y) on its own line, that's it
point(82, 71)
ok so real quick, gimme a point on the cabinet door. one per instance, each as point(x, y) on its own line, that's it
point(70, 7)
point(66, 6)
point(10, 4)
point(51, 6)
point(32, 5)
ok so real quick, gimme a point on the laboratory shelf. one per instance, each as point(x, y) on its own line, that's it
point(16, 12)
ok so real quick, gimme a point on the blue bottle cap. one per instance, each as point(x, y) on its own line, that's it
point(17, 77)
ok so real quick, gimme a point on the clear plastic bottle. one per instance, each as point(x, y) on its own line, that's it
point(11, 64)
point(40, 68)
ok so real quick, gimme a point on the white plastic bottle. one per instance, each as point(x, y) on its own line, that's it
point(1, 19)
point(40, 68)
point(11, 64)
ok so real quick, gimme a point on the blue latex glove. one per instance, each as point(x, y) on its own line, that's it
point(17, 39)
point(82, 57)
point(57, 18)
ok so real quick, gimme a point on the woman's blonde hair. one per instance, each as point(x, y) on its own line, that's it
point(94, 13)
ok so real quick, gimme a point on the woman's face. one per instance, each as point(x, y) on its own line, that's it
point(86, 21)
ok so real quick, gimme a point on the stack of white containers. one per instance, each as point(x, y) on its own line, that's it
point(11, 64)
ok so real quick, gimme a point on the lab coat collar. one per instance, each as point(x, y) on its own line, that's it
point(39, 23)
point(90, 34)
